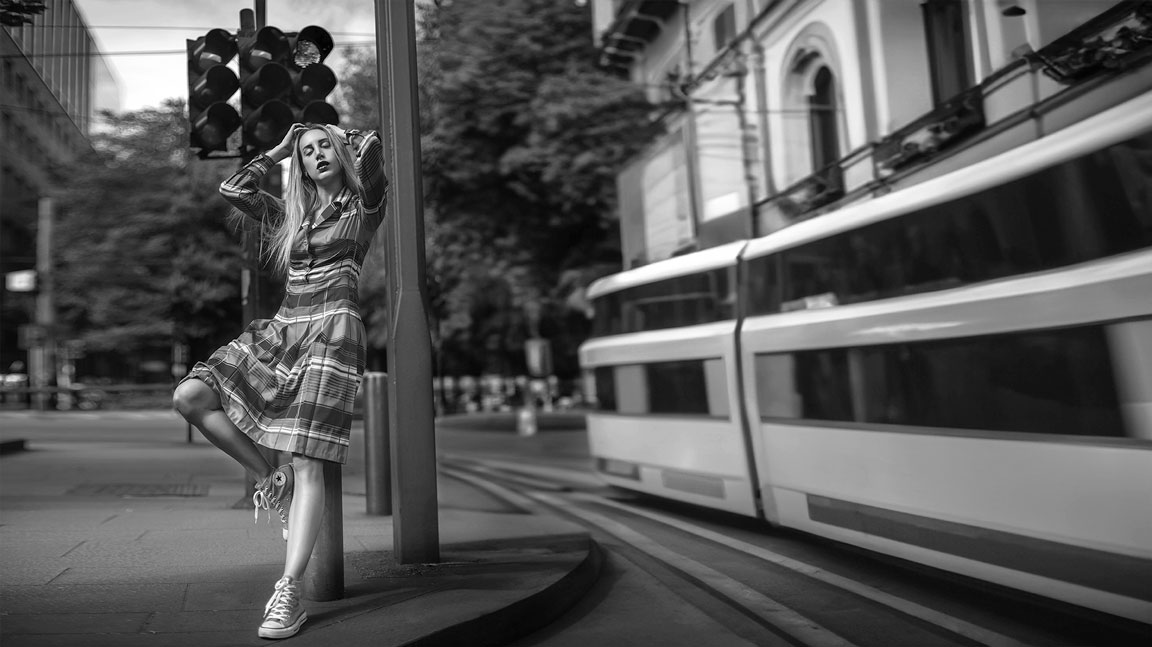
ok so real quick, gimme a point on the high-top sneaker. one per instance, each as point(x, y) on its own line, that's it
point(283, 615)
point(275, 492)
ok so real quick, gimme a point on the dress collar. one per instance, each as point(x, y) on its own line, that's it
point(334, 207)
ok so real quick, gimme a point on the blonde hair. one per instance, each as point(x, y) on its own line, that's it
point(301, 198)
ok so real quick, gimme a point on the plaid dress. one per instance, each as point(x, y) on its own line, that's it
point(289, 382)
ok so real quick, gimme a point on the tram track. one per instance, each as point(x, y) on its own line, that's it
point(842, 612)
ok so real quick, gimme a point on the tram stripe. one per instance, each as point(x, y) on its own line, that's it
point(953, 624)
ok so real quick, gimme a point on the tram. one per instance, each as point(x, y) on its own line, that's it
point(958, 373)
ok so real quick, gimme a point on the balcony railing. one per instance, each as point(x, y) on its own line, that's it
point(803, 199)
point(949, 123)
point(1115, 40)
point(1118, 39)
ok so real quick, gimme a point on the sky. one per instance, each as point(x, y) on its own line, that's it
point(145, 80)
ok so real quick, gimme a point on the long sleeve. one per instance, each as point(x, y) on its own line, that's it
point(370, 170)
point(242, 190)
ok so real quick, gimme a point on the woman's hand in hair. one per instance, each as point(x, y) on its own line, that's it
point(283, 150)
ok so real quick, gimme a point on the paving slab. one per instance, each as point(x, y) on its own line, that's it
point(139, 543)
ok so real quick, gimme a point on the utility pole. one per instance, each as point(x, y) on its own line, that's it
point(415, 525)
point(741, 73)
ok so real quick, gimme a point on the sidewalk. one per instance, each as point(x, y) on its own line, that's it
point(136, 542)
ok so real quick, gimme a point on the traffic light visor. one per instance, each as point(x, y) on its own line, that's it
point(313, 44)
point(314, 83)
point(217, 85)
point(217, 47)
point(319, 112)
point(267, 83)
point(212, 127)
point(268, 124)
point(270, 44)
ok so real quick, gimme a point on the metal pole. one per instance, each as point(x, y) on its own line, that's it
point(377, 475)
point(324, 576)
point(415, 526)
point(691, 152)
point(745, 157)
point(250, 283)
point(250, 21)
point(42, 361)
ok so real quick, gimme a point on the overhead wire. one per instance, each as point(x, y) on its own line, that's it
point(168, 28)
point(142, 52)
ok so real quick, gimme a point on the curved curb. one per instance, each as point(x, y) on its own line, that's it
point(524, 616)
point(13, 446)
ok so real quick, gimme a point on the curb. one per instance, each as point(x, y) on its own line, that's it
point(13, 446)
point(524, 616)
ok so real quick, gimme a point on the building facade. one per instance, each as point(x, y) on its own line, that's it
point(780, 110)
point(53, 84)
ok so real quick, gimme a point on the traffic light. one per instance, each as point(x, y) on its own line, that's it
point(312, 81)
point(264, 83)
point(283, 80)
point(210, 85)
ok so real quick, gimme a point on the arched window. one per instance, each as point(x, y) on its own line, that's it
point(825, 136)
point(811, 121)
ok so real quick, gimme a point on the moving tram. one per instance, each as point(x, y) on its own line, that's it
point(958, 373)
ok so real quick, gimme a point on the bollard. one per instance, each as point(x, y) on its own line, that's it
point(526, 423)
point(377, 451)
point(324, 577)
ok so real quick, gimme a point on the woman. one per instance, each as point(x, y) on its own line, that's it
point(288, 383)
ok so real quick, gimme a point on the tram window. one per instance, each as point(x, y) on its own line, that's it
point(1056, 382)
point(763, 284)
point(677, 387)
point(1108, 195)
point(688, 300)
point(1087, 208)
point(605, 315)
point(822, 382)
point(605, 387)
point(1049, 382)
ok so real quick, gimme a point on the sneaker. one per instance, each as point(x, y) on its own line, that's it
point(283, 615)
point(275, 492)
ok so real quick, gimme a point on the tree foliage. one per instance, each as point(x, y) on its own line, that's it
point(522, 137)
point(144, 255)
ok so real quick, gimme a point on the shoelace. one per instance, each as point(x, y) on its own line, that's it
point(261, 501)
point(284, 601)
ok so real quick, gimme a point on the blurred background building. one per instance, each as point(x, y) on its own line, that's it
point(780, 110)
point(53, 83)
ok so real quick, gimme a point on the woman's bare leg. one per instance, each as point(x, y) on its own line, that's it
point(307, 510)
point(200, 406)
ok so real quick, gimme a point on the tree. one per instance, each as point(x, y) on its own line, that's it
point(522, 137)
point(144, 254)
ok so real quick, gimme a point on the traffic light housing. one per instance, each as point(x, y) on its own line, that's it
point(282, 81)
point(312, 81)
point(264, 83)
point(210, 84)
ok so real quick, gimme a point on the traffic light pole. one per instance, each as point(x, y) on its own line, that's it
point(250, 271)
point(415, 526)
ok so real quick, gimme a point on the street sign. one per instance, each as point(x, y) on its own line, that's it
point(21, 281)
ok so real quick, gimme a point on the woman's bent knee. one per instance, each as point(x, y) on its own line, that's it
point(193, 397)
